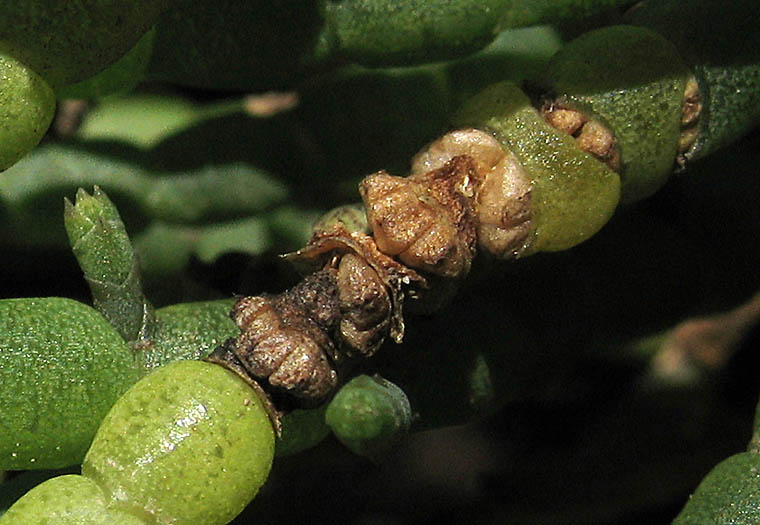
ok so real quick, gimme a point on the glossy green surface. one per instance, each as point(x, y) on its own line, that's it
point(62, 366)
point(27, 104)
point(190, 443)
point(573, 195)
point(633, 80)
point(66, 500)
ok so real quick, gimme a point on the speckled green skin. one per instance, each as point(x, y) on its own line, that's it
point(67, 42)
point(61, 368)
point(190, 443)
point(729, 494)
point(369, 415)
point(66, 500)
point(632, 80)
point(27, 104)
point(392, 32)
point(101, 245)
point(188, 331)
point(573, 195)
point(721, 42)
point(276, 43)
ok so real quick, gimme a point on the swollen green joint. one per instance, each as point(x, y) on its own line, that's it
point(27, 105)
point(572, 194)
point(729, 494)
point(633, 81)
point(62, 366)
point(105, 254)
point(66, 500)
point(369, 415)
point(189, 443)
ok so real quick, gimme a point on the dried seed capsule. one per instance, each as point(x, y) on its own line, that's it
point(284, 344)
point(365, 306)
point(502, 202)
point(326, 246)
point(427, 219)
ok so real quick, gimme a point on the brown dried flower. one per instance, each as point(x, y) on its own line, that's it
point(284, 344)
point(502, 202)
point(427, 220)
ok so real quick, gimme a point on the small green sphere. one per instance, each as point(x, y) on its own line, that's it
point(369, 415)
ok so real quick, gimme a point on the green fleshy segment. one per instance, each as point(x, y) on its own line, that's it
point(729, 494)
point(104, 252)
point(120, 77)
point(66, 500)
point(573, 195)
point(633, 80)
point(369, 415)
point(188, 331)
point(189, 443)
point(387, 32)
point(27, 105)
point(720, 41)
point(69, 42)
point(301, 430)
point(23, 482)
point(281, 45)
point(62, 366)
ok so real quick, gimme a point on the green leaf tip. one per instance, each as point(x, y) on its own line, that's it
point(82, 216)
point(104, 251)
point(98, 237)
point(369, 415)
